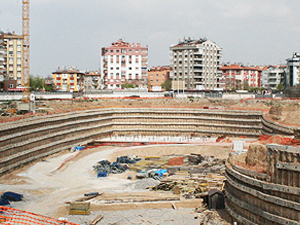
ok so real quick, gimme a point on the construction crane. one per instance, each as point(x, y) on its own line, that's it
point(26, 43)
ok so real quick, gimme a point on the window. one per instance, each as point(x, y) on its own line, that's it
point(111, 50)
point(130, 68)
point(11, 85)
point(118, 50)
point(137, 51)
point(123, 50)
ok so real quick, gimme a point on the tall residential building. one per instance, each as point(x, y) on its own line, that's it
point(238, 76)
point(293, 70)
point(11, 56)
point(68, 79)
point(195, 64)
point(122, 63)
point(272, 76)
point(157, 76)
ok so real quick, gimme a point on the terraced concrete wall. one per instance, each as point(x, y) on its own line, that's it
point(26, 140)
point(271, 197)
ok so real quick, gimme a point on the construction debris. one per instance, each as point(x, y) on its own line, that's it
point(104, 167)
point(145, 183)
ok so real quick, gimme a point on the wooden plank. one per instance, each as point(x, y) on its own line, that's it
point(97, 219)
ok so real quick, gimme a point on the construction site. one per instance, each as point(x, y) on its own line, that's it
point(145, 161)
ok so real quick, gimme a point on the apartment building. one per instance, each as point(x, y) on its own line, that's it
point(293, 70)
point(122, 63)
point(272, 76)
point(11, 57)
point(68, 79)
point(238, 76)
point(93, 81)
point(157, 76)
point(195, 65)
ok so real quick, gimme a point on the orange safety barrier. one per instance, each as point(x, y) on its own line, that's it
point(14, 216)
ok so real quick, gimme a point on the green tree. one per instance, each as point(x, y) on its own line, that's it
point(36, 83)
point(245, 85)
point(167, 85)
point(128, 85)
point(280, 87)
point(293, 92)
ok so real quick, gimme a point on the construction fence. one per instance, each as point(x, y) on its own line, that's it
point(14, 216)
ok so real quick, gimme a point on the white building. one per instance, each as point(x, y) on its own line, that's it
point(272, 77)
point(196, 64)
point(293, 70)
point(122, 63)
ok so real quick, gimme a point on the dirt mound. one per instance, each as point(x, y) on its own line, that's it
point(275, 112)
point(257, 155)
point(276, 139)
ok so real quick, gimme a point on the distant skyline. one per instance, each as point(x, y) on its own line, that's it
point(64, 33)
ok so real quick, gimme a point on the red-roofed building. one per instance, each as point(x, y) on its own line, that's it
point(272, 76)
point(122, 63)
point(237, 76)
point(68, 79)
point(93, 81)
point(156, 76)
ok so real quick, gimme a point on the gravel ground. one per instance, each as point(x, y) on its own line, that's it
point(141, 216)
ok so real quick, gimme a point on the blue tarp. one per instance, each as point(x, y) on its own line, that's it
point(4, 201)
point(12, 196)
point(102, 174)
point(161, 172)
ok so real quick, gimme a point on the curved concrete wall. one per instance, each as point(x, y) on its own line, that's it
point(29, 139)
point(272, 197)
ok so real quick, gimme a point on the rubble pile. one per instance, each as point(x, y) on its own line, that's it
point(185, 188)
point(195, 176)
point(104, 167)
point(145, 183)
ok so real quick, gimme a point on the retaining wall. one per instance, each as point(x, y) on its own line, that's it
point(26, 140)
point(270, 197)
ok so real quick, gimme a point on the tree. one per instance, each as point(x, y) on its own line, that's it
point(280, 87)
point(245, 85)
point(167, 85)
point(128, 85)
point(36, 83)
point(294, 91)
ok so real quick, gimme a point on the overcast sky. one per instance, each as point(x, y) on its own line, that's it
point(72, 32)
